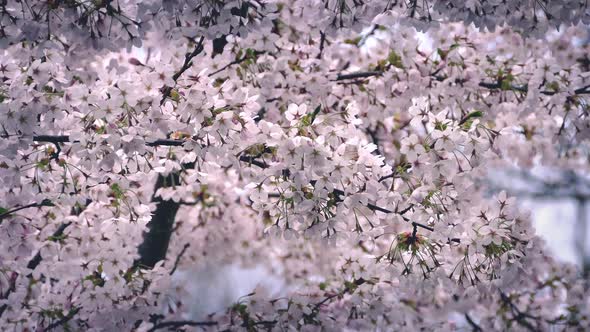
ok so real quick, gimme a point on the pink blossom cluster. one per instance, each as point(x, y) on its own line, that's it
point(344, 144)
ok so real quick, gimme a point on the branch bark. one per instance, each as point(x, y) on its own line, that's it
point(45, 202)
point(185, 66)
point(178, 324)
point(159, 229)
point(63, 320)
point(488, 85)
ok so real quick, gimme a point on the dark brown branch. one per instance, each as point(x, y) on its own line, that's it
point(45, 202)
point(185, 66)
point(52, 138)
point(63, 320)
point(235, 62)
point(388, 176)
point(356, 282)
point(519, 316)
point(179, 257)
point(252, 160)
point(406, 209)
point(524, 88)
point(322, 44)
point(362, 74)
point(378, 208)
point(375, 139)
point(36, 260)
point(476, 328)
point(66, 139)
point(166, 142)
point(188, 58)
point(180, 323)
point(496, 86)
point(487, 85)
point(416, 224)
point(159, 229)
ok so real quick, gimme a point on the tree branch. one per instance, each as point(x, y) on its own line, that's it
point(519, 316)
point(185, 66)
point(36, 260)
point(487, 85)
point(184, 248)
point(525, 88)
point(356, 283)
point(45, 202)
point(180, 323)
point(168, 210)
point(66, 139)
point(235, 62)
point(476, 328)
point(63, 320)
point(159, 229)
point(361, 74)
point(252, 160)
point(156, 240)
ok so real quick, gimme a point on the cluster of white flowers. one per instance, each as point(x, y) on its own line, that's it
point(350, 162)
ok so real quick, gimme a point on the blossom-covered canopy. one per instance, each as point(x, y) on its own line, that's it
point(342, 144)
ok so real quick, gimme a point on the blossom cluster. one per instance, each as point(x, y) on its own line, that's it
point(343, 144)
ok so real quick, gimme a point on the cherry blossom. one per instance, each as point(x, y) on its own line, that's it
point(342, 145)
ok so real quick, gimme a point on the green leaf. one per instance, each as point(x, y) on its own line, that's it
point(294, 65)
point(174, 95)
point(354, 41)
point(440, 126)
point(250, 53)
point(468, 119)
point(47, 202)
point(256, 149)
point(442, 53)
point(239, 55)
point(350, 286)
point(305, 120)
point(43, 163)
point(3, 210)
point(395, 60)
point(59, 238)
point(218, 82)
point(473, 115)
point(241, 308)
point(116, 191)
point(553, 86)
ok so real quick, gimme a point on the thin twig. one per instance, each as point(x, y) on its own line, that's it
point(45, 202)
point(186, 245)
point(235, 62)
point(185, 66)
point(63, 320)
point(363, 74)
point(476, 328)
